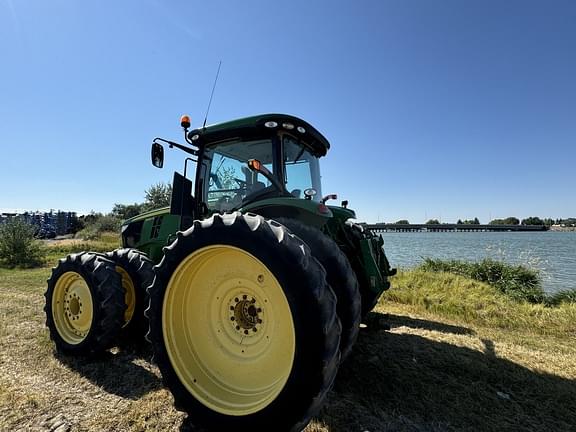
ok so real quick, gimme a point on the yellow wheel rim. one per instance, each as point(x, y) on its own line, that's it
point(72, 308)
point(129, 295)
point(228, 330)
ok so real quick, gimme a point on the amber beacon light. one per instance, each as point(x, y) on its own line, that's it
point(185, 121)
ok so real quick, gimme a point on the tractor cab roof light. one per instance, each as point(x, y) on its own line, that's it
point(288, 126)
point(271, 124)
point(301, 129)
point(185, 122)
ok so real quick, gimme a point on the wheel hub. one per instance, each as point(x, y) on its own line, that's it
point(73, 306)
point(245, 314)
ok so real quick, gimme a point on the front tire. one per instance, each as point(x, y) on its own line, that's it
point(84, 304)
point(244, 325)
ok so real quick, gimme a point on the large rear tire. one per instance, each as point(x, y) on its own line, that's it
point(340, 277)
point(84, 304)
point(137, 272)
point(244, 325)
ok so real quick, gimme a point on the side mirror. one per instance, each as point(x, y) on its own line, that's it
point(157, 155)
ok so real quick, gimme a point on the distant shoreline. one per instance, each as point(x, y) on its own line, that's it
point(562, 229)
point(383, 227)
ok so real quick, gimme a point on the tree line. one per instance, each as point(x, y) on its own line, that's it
point(532, 220)
point(92, 225)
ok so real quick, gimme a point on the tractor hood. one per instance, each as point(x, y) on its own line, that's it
point(308, 211)
point(260, 125)
point(147, 214)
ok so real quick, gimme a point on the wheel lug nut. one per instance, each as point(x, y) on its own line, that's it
point(244, 297)
point(237, 327)
point(231, 308)
point(254, 329)
point(236, 300)
point(232, 318)
point(245, 331)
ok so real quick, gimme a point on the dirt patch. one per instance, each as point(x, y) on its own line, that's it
point(62, 242)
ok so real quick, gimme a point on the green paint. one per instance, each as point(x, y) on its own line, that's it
point(307, 211)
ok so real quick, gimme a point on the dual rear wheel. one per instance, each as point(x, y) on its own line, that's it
point(95, 300)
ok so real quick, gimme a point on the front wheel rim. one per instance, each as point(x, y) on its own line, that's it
point(228, 330)
point(72, 308)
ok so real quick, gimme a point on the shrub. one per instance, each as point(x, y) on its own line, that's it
point(516, 281)
point(98, 224)
point(88, 233)
point(555, 299)
point(107, 223)
point(18, 247)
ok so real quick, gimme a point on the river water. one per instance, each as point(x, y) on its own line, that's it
point(552, 253)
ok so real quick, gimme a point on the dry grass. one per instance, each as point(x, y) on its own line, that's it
point(107, 241)
point(431, 371)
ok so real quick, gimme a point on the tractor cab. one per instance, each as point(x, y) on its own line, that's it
point(261, 164)
point(239, 172)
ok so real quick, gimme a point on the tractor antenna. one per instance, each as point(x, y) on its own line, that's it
point(211, 95)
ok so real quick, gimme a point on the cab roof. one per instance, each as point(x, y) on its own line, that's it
point(255, 125)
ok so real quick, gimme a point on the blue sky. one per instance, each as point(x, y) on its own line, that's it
point(435, 109)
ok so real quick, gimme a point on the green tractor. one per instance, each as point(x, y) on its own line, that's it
point(251, 285)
